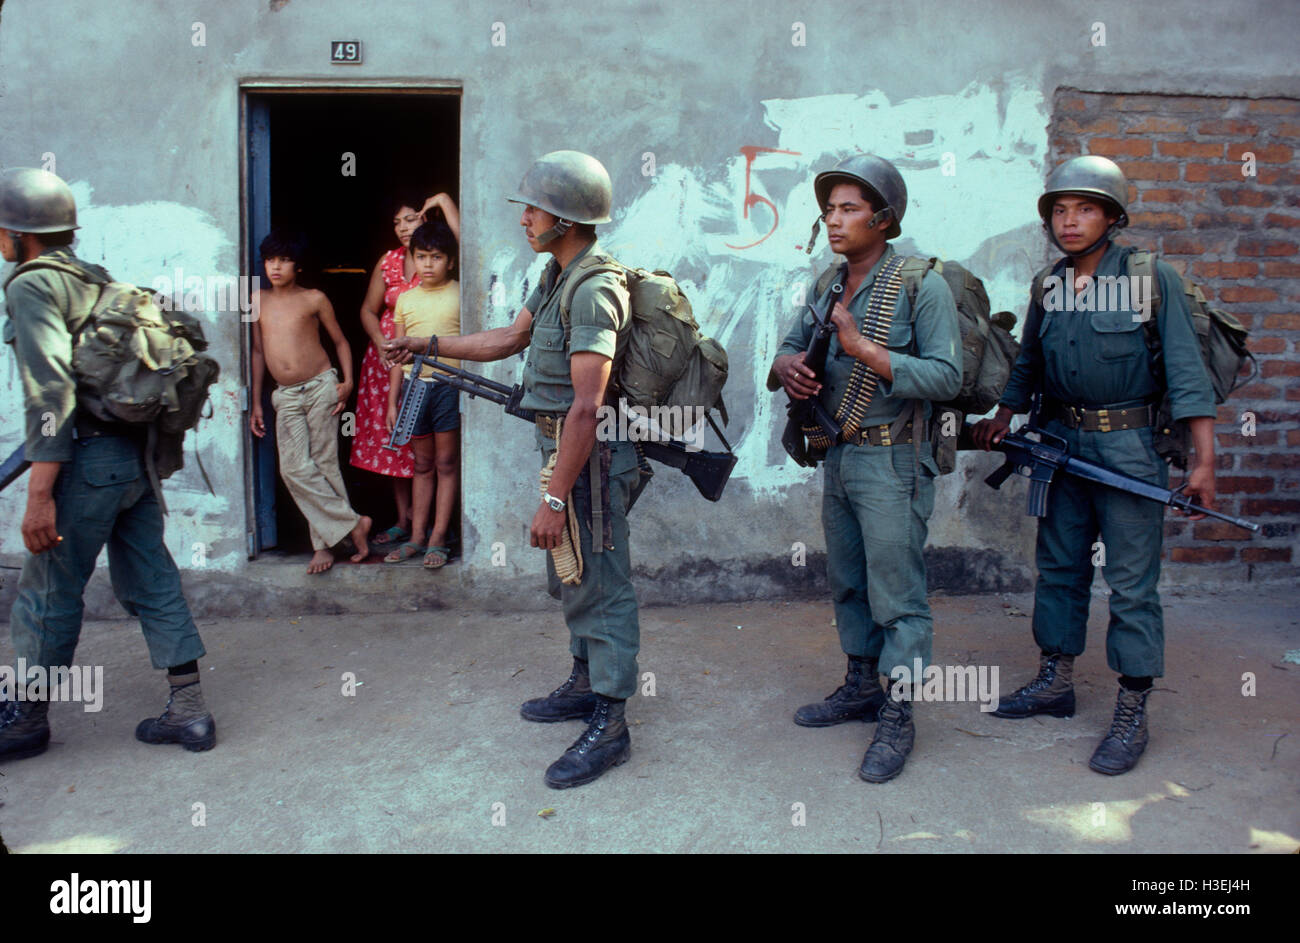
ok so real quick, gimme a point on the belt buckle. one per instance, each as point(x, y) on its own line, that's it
point(885, 440)
point(1076, 415)
point(1103, 420)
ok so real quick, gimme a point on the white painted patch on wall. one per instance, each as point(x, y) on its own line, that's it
point(973, 162)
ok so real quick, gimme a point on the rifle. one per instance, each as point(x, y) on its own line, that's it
point(412, 400)
point(1039, 460)
point(13, 467)
point(810, 411)
point(708, 470)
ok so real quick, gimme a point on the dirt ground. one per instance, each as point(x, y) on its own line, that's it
point(429, 753)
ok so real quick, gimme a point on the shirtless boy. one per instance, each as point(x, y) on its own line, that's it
point(307, 399)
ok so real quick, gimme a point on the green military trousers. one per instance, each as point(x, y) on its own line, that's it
point(876, 506)
point(601, 611)
point(1123, 534)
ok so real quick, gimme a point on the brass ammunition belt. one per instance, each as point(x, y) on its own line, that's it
point(880, 435)
point(863, 381)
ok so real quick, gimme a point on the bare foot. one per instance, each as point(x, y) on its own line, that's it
point(321, 561)
point(360, 535)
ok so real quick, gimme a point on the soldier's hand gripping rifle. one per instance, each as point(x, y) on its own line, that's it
point(708, 470)
point(1039, 459)
point(810, 429)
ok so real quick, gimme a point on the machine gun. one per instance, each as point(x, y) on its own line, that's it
point(806, 413)
point(708, 470)
point(412, 399)
point(1040, 459)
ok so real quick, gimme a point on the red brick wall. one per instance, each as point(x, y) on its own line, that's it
point(1237, 237)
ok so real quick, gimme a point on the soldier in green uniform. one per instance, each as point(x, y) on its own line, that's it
point(88, 488)
point(879, 485)
point(1090, 361)
point(566, 378)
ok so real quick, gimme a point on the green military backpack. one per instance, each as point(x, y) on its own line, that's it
point(1222, 344)
point(136, 363)
point(988, 350)
point(1223, 351)
point(667, 362)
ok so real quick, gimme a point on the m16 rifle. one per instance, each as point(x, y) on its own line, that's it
point(1040, 458)
point(810, 414)
point(708, 470)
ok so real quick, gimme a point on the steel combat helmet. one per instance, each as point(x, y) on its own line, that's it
point(1090, 176)
point(570, 185)
point(35, 201)
point(879, 175)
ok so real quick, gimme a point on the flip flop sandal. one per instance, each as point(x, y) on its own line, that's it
point(394, 535)
point(404, 552)
point(435, 558)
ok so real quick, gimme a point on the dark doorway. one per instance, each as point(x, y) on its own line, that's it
point(328, 164)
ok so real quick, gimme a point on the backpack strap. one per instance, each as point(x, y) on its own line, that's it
point(583, 270)
point(57, 265)
point(1142, 264)
point(1036, 288)
point(913, 273)
point(824, 281)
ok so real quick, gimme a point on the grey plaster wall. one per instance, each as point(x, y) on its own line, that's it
point(146, 127)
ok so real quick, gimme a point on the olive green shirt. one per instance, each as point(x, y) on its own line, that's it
point(924, 349)
point(599, 321)
point(45, 308)
point(1099, 357)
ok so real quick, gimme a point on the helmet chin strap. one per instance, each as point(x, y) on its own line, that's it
point(555, 232)
point(1104, 238)
point(879, 217)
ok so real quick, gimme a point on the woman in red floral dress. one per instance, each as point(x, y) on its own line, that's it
point(394, 274)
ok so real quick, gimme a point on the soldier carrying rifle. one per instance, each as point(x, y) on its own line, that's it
point(1091, 364)
point(566, 379)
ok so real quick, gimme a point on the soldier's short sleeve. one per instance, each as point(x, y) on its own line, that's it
point(598, 311)
point(43, 349)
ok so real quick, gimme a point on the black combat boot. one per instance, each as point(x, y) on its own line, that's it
point(573, 700)
point(1119, 751)
point(1052, 692)
point(892, 743)
point(185, 720)
point(24, 729)
point(604, 744)
point(858, 698)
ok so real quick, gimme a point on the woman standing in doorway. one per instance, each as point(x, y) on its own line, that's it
point(394, 274)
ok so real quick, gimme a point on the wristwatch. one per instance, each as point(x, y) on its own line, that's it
point(555, 504)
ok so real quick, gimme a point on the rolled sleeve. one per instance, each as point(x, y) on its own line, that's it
point(934, 371)
point(43, 349)
point(598, 309)
point(1190, 392)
